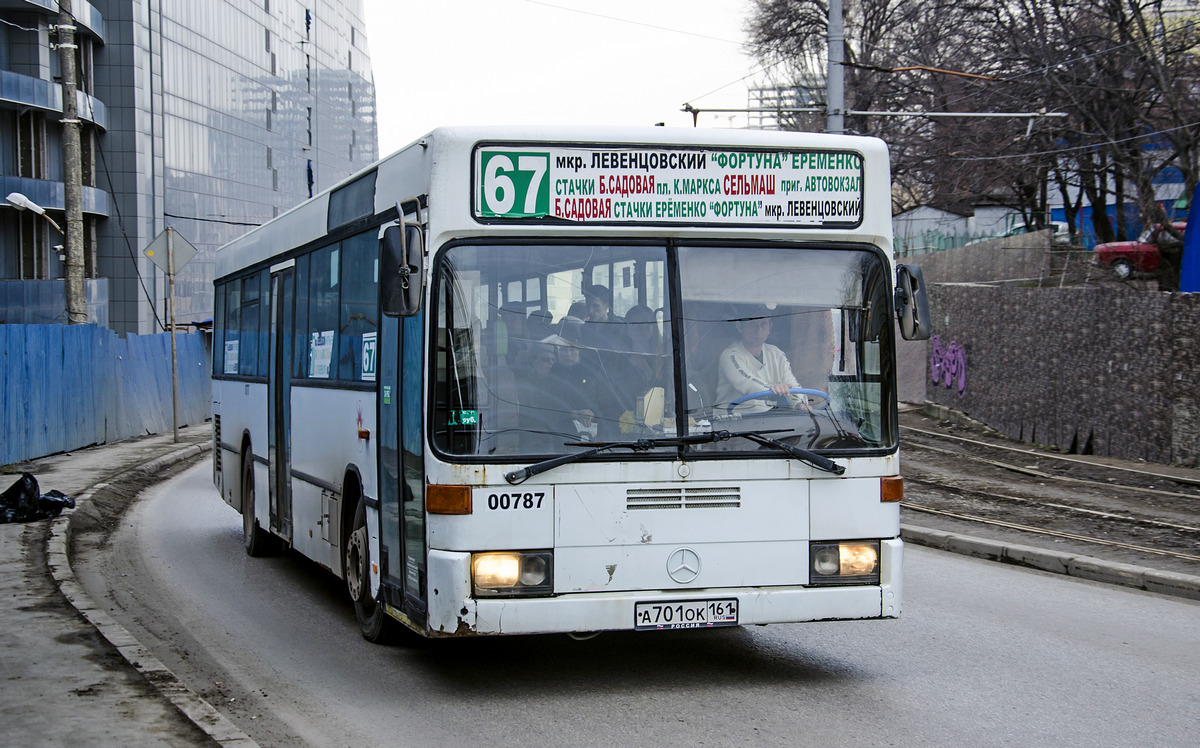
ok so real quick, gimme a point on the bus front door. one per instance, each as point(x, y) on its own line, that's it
point(401, 472)
point(279, 408)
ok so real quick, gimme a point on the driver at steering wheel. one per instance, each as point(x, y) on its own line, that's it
point(750, 365)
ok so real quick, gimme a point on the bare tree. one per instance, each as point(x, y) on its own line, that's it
point(1126, 72)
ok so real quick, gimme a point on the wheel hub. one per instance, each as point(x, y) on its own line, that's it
point(356, 563)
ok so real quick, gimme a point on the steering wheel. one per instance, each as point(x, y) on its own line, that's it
point(794, 390)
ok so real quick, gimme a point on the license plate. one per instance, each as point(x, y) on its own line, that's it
point(685, 614)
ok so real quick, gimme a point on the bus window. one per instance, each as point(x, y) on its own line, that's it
point(565, 379)
point(249, 329)
point(264, 323)
point(770, 322)
point(323, 313)
point(218, 367)
point(359, 318)
point(300, 343)
point(233, 326)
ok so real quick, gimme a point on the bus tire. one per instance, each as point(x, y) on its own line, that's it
point(255, 540)
point(373, 622)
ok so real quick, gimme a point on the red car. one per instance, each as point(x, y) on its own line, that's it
point(1126, 258)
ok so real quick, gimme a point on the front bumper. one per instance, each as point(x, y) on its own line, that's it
point(453, 612)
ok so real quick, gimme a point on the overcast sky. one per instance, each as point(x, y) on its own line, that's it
point(618, 62)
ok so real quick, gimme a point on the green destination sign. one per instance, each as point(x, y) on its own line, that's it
point(819, 189)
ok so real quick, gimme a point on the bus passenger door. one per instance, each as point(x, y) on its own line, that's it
point(401, 468)
point(279, 409)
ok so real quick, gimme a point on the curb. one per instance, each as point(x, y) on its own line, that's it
point(189, 703)
point(1057, 562)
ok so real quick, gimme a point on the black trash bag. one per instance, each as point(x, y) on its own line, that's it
point(21, 502)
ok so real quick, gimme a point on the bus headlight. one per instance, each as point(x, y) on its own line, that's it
point(512, 573)
point(847, 562)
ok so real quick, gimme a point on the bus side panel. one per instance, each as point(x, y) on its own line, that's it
point(325, 444)
point(243, 412)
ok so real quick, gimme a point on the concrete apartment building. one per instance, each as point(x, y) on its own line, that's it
point(207, 116)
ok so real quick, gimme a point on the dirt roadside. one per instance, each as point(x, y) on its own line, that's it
point(65, 683)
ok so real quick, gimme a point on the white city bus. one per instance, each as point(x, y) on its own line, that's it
point(494, 382)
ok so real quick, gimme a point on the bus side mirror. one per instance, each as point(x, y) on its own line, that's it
point(912, 304)
point(402, 259)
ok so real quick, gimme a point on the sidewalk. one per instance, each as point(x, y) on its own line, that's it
point(73, 677)
point(67, 679)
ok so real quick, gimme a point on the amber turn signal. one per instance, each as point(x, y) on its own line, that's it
point(448, 499)
point(891, 488)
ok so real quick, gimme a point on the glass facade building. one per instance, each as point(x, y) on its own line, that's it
point(207, 117)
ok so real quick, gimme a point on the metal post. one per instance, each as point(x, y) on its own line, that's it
point(835, 95)
point(171, 314)
point(72, 168)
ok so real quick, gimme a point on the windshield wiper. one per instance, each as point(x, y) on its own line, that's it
point(644, 445)
point(812, 458)
point(525, 473)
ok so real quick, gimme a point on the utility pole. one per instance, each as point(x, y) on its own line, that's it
point(72, 168)
point(835, 93)
point(171, 312)
point(170, 251)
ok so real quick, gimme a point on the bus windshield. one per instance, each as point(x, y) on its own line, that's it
point(548, 349)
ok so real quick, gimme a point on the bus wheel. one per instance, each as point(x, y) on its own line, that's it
point(256, 541)
point(373, 622)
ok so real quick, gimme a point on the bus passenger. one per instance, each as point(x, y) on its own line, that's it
point(575, 384)
point(540, 419)
point(751, 364)
point(578, 310)
point(511, 339)
point(603, 329)
point(539, 324)
point(646, 364)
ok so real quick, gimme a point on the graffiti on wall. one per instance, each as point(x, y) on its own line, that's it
point(948, 365)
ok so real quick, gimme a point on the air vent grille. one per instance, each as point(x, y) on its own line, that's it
point(684, 497)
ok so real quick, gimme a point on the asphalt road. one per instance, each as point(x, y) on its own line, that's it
point(984, 654)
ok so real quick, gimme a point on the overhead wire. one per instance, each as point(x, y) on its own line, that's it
point(668, 29)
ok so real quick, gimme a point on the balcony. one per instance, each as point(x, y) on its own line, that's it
point(86, 15)
point(26, 91)
point(52, 195)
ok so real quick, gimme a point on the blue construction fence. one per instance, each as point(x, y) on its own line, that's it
point(67, 387)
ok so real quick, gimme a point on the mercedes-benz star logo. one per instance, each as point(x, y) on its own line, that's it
point(683, 565)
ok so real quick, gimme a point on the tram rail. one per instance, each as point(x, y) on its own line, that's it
point(975, 486)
